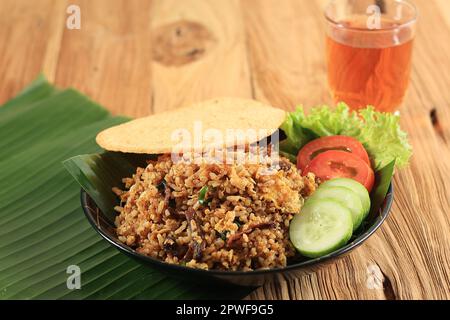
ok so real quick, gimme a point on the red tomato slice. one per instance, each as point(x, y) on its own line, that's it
point(318, 146)
point(341, 164)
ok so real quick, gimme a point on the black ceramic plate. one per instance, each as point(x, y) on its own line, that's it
point(295, 267)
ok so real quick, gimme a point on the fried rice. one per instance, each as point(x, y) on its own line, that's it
point(212, 216)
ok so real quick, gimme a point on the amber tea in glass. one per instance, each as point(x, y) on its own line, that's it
point(369, 50)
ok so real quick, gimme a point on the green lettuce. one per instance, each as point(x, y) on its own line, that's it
point(380, 133)
point(296, 135)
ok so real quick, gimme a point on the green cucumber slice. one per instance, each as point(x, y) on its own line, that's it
point(344, 196)
point(320, 228)
point(356, 187)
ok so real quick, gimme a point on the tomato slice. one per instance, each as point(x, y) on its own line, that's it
point(341, 164)
point(318, 146)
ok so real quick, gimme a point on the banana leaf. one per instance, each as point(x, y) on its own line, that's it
point(383, 179)
point(42, 227)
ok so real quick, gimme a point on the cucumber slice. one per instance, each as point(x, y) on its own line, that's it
point(344, 196)
point(355, 186)
point(320, 228)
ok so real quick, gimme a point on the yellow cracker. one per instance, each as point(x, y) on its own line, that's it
point(156, 134)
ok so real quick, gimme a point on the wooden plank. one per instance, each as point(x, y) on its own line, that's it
point(408, 258)
point(112, 59)
point(425, 197)
point(199, 52)
point(444, 9)
point(109, 58)
point(51, 58)
point(30, 39)
point(286, 48)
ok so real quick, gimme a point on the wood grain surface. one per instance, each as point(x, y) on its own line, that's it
point(139, 57)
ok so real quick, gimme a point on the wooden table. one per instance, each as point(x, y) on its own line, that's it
point(271, 50)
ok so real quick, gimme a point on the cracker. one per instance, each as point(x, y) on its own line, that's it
point(161, 133)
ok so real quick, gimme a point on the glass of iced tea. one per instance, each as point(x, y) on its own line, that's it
point(369, 48)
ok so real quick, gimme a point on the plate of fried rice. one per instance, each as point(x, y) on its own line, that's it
point(206, 219)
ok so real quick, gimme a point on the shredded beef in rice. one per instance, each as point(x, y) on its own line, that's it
point(241, 224)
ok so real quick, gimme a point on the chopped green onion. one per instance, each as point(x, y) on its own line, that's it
point(202, 194)
point(223, 235)
point(162, 186)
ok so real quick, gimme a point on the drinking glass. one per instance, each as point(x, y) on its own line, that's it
point(369, 49)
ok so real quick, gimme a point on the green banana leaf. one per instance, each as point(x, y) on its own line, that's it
point(383, 179)
point(42, 227)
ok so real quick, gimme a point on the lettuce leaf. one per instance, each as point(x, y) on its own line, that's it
point(380, 133)
point(383, 138)
point(296, 135)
